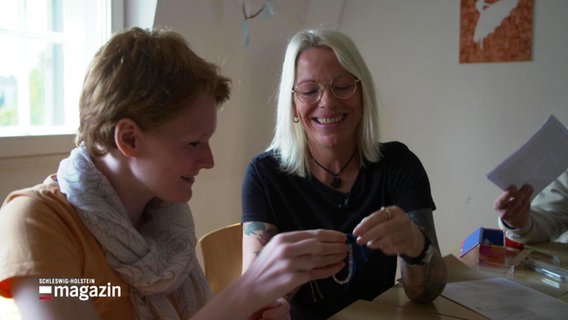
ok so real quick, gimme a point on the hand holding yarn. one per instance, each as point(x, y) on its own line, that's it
point(351, 264)
point(391, 231)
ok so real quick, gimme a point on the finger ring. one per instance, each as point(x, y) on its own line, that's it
point(389, 214)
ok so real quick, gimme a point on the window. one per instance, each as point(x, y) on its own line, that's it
point(46, 46)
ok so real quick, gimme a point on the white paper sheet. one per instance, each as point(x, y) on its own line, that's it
point(538, 162)
point(503, 299)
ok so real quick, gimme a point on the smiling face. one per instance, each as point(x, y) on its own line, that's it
point(330, 122)
point(170, 156)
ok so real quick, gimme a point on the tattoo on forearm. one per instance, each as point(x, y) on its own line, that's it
point(424, 219)
point(425, 283)
point(262, 231)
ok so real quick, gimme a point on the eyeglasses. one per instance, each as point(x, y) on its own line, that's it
point(310, 92)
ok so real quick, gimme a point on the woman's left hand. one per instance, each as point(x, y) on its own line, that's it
point(391, 231)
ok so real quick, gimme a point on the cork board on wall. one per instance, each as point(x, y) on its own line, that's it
point(495, 30)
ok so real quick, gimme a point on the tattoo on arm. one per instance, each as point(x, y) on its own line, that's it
point(263, 232)
point(423, 283)
point(424, 219)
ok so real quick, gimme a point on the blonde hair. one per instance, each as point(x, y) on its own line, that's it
point(144, 75)
point(290, 142)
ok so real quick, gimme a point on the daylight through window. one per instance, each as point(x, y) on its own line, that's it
point(45, 49)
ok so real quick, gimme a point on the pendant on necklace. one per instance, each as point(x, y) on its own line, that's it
point(336, 182)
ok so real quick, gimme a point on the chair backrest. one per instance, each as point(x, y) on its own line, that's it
point(221, 250)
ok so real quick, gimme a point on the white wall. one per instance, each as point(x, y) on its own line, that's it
point(461, 120)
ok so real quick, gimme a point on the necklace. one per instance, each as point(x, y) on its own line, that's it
point(350, 266)
point(351, 263)
point(336, 182)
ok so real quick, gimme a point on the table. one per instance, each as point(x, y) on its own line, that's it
point(393, 304)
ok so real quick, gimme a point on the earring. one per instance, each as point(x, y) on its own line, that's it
point(296, 119)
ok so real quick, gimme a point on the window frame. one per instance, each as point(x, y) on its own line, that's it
point(50, 144)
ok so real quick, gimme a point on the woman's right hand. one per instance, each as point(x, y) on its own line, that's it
point(291, 259)
point(288, 260)
point(514, 206)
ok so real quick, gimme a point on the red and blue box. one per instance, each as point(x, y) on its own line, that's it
point(486, 246)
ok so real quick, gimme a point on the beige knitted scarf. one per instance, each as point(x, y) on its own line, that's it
point(158, 262)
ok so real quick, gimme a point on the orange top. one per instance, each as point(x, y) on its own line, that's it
point(42, 236)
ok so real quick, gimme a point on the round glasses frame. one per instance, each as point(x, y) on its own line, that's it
point(343, 91)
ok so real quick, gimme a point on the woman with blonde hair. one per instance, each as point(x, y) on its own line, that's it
point(327, 168)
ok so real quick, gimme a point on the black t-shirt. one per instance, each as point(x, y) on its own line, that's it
point(293, 203)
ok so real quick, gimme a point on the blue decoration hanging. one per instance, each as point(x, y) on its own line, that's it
point(268, 10)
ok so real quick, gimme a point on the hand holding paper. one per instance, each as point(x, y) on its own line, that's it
point(538, 162)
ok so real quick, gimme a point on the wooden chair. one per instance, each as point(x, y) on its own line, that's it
point(221, 250)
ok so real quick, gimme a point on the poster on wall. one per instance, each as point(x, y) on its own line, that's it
point(495, 30)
